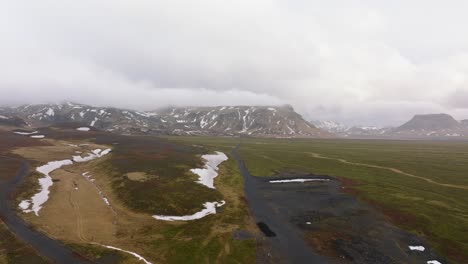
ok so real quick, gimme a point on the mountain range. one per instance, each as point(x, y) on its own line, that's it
point(420, 126)
point(260, 121)
point(256, 121)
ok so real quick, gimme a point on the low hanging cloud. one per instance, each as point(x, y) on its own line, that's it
point(360, 63)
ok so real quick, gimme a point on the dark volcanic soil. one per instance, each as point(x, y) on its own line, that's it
point(314, 222)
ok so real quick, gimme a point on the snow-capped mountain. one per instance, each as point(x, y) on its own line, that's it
point(349, 131)
point(263, 121)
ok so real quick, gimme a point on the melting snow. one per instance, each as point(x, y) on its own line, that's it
point(83, 129)
point(26, 133)
point(210, 208)
point(43, 195)
point(129, 252)
point(205, 177)
point(94, 155)
point(298, 180)
point(417, 248)
point(103, 196)
point(50, 112)
point(24, 205)
point(38, 199)
point(210, 170)
point(94, 121)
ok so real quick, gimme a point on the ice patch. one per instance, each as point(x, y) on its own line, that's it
point(129, 252)
point(26, 133)
point(37, 136)
point(83, 129)
point(298, 180)
point(210, 208)
point(97, 153)
point(210, 171)
point(417, 248)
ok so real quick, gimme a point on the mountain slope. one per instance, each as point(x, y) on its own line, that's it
point(277, 121)
point(432, 125)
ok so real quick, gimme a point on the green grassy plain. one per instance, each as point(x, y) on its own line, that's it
point(425, 205)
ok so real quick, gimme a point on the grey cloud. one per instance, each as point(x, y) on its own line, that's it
point(371, 62)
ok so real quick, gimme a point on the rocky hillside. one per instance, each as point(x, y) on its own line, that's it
point(278, 121)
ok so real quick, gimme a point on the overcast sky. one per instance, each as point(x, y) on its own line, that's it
point(374, 62)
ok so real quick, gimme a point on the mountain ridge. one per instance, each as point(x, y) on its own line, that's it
point(259, 121)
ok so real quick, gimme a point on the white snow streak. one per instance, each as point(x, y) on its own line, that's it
point(210, 208)
point(94, 155)
point(298, 180)
point(129, 252)
point(433, 262)
point(37, 136)
point(26, 133)
point(83, 129)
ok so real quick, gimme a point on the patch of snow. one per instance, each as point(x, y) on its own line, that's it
point(82, 114)
point(308, 223)
point(129, 252)
point(94, 155)
point(417, 248)
point(298, 180)
point(433, 262)
point(24, 205)
point(271, 109)
point(207, 174)
point(210, 208)
point(50, 112)
point(37, 136)
point(3, 117)
point(26, 133)
point(94, 121)
point(83, 129)
point(142, 114)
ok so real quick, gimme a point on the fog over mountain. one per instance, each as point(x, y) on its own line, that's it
point(371, 63)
